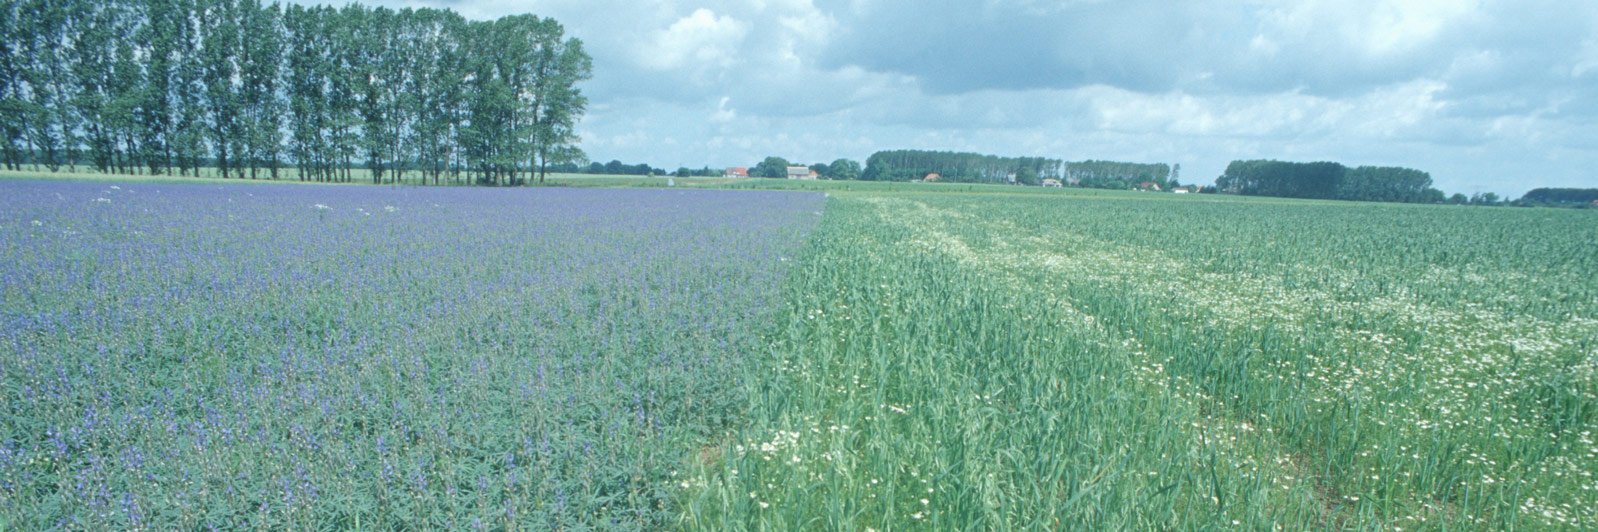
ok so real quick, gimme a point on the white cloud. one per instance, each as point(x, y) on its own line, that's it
point(700, 40)
point(1587, 60)
point(1374, 28)
point(724, 114)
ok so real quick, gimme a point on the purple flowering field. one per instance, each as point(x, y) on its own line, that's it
point(191, 356)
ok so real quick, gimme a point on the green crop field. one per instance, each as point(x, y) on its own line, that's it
point(918, 356)
point(957, 357)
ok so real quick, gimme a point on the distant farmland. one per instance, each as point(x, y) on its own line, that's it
point(886, 356)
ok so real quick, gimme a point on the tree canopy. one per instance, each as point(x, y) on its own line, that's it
point(170, 86)
point(843, 169)
point(770, 167)
point(902, 165)
point(1561, 196)
point(1328, 180)
point(1117, 175)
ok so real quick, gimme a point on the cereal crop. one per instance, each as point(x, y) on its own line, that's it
point(1066, 361)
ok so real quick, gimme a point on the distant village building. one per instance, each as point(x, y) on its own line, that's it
point(932, 177)
point(1052, 183)
point(736, 171)
point(801, 172)
point(1149, 185)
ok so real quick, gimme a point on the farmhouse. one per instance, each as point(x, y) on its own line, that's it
point(1052, 183)
point(736, 171)
point(1149, 185)
point(932, 177)
point(801, 172)
point(1179, 190)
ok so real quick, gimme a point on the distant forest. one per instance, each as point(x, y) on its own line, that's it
point(170, 86)
point(1582, 197)
point(902, 165)
point(959, 167)
point(1314, 180)
point(1328, 180)
point(1119, 175)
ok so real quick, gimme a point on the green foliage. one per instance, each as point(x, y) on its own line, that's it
point(906, 165)
point(242, 86)
point(770, 167)
point(1561, 196)
point(1487, 199)
point(1028, 175)
point(1372, 183)
point(843, 169)
point(697, 172)
point(1328, 180)
point(1116, 175)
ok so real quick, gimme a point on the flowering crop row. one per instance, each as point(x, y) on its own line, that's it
point(293, 357)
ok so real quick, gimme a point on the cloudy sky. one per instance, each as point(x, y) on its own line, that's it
point(1487, 95)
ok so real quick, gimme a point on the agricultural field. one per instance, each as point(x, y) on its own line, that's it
point(312, 357)
point(790, 356)
point(1144, 361)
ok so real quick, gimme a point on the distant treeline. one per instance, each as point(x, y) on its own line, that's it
point(166, 86)
point(902, 165)
point(1328, 180)
point(614, 167)
point(1118, 175)
point(1583, 197)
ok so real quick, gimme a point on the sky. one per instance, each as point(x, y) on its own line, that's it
point(1487, 95)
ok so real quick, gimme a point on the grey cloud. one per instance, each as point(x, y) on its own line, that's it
point(1332, 48)
point(958, 46)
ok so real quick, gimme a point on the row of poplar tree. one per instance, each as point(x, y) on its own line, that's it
point(246, 89)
